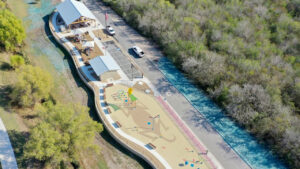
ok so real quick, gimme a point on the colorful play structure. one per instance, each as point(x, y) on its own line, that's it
point(127, 98)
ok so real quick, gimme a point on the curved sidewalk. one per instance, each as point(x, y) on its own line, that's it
point(84, 74)
point(7, 156)
point(128, 37)
point(128, 142)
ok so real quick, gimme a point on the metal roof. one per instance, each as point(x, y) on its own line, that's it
point(71, 10)
point(102, 64)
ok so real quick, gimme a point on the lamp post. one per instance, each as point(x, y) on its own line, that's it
point(131, 71)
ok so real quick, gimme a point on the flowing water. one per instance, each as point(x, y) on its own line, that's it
point(256, 155)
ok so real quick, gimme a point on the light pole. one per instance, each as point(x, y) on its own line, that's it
point(131, 72)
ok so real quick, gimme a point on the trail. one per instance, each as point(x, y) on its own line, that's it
point(7, 156)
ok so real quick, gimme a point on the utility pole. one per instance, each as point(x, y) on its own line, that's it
point(131, 72)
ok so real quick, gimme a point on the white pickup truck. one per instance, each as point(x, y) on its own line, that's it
point(110, 30)
point(138, 51)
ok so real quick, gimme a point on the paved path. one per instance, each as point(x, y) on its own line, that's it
point(128, 37)
point(7, 156)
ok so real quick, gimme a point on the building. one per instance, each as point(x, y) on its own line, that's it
point(105, 68)
point(74, 14)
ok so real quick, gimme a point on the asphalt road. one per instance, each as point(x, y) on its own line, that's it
point(128, 37)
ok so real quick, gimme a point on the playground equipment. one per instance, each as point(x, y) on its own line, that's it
point(88, 47)
point(130, 90)
point(128, 99)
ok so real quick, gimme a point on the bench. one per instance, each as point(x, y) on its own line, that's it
point(118, 124)
point(109, 85)
point(109, 111)
point(152, 146)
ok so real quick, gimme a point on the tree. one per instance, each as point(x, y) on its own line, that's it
point(34, 84)
point(245, 48)
point(16, 61)
point(65, 131)
point(12, 32)
point(45, 143)
point(249, 102)
point(211, 64)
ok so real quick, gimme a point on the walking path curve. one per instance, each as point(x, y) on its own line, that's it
point(7, 156)
point(97, 87)
point(128, 37)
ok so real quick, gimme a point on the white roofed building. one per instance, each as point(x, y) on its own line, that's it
point(105, 67)
point(75, 14)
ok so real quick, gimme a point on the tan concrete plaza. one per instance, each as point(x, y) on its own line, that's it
point(137, 120)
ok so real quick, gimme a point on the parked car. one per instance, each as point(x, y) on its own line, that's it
point(138, 51)
point(110, 30)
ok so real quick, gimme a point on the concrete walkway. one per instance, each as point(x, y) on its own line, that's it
point(128, 37)
point(199, 145)
point(7, 156)
point(88, 74)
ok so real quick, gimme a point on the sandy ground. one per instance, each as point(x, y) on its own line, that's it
point(94, 53)
point(103, 35)
point(137, 119)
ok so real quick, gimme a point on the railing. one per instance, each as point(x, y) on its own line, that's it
point(137, 149)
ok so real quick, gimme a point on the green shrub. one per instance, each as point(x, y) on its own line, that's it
point(16, 61)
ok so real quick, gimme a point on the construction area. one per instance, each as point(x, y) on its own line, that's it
point(137, 112)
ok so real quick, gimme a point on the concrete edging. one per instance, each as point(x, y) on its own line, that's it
point(100, 113)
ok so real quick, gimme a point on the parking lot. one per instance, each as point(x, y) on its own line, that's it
point(128, 68)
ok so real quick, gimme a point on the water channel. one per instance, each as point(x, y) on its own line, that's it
point(255, 154)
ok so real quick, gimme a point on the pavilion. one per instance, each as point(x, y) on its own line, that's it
point(75, 14)
point(105, 68)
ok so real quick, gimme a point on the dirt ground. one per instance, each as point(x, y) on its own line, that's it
point(43, 52)
point(147, 121)
point(94, 53)
point(102, 34)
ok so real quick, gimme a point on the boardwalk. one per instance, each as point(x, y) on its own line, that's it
point(7, 156)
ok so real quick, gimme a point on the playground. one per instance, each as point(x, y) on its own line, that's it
point(138, 114)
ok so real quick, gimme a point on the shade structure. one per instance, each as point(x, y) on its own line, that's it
point(71, 10)
point(77, 32)
point(88, 44)
point(102, 64)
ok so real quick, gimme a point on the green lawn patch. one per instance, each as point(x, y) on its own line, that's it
point(115, 107)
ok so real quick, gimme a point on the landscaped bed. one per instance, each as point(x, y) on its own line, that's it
point(103, 35)
point(79, 45)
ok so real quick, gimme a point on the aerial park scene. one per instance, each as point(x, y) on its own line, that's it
point(140, 115)
point(149, 84)
point(131, 105)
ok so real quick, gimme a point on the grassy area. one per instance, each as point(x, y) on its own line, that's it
point(18, 7)
point(7, 77)
point(42, 51)
point(17, 121)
